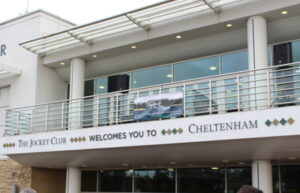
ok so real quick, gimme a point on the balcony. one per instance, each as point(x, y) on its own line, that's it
point(250, 90)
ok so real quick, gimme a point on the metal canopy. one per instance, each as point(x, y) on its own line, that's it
point(141, 19)
point(8, 71)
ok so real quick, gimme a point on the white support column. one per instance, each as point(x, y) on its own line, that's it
point(257, 42)
point(77, 78)
point(76, 91)
point(73, 183)
point(258, 58)
point(262, 175)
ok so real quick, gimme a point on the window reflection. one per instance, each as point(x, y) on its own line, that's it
point(115, 181)
point(160, 180)
point(290, 179)
point(201, 180)
point(152, 76)
point(235, 62)
point(296, 51)
point(88, 181)
point(196, 68)
point(236, 177)
point(275, 173)
point(101, 85)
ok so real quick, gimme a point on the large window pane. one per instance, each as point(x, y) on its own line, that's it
point(89, 181)
point(275, 173)
point(101, 85)
point(201, 180)
point(160, 180)
point(290, 179)
point(296, 51)
point(196, 68)
point(115, 181)
point(235, 62)
point(152, 76)
point(236, 177)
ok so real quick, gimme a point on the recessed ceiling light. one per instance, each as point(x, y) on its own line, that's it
point(229, 25)
point(284, 12)
point(133, 47)
point(212, 68)
point(172, 162)
point(101, 87)
point(62, 63)
point(94, 56)
point(169, 75)
point(292, 158)
point(178, 37)
point(214, 168)
point(124, 164)
point(225, 161)
point(241, 163)
point(84, 166)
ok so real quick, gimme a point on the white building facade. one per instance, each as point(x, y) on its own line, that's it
point(182, 96)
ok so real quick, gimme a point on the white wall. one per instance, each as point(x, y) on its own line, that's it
point(37, 83)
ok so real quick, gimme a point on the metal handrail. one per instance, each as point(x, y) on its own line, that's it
point(247, 90)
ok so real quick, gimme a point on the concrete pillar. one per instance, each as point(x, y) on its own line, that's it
point(257, 42)
point(262, 175)
point(76, 91)
point(77, 78)
point(73, 184)
point(258, 58)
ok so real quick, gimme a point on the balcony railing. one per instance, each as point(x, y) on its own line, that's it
point(243, 91)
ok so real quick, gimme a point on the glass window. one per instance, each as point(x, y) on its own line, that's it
point(88, 87)
point(290, 178)
point(235, 62)
point(89, 181)
point(296, 51)
point(201, 180)
point(101, 85)
point(236, 177)
point(196, 68)
point(160, 180)
point(152, 76)
point(275, 173)
point(115, 181)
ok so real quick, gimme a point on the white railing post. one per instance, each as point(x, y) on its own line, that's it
point(46, 118)
point(238, 92)
point(117, 108)
point(31, 121)
point(96, 112)
point(210, 97)
point(269, 89)
point(62, 115)
point(184, 95)
point(18, 123)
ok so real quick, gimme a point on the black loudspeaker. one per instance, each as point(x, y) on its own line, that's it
point(118, 82)
point(282, 54)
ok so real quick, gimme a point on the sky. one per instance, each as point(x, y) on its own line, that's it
point(76, 11)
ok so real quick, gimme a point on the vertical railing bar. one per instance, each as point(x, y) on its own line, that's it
point(210, 97)
point(18, 123)
point(184, 94)
point(117, 109)
point(238, 92)
point(46, 118)
point(268, 89)
point(31, 121)
point(62, 115)
point(97, 111)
